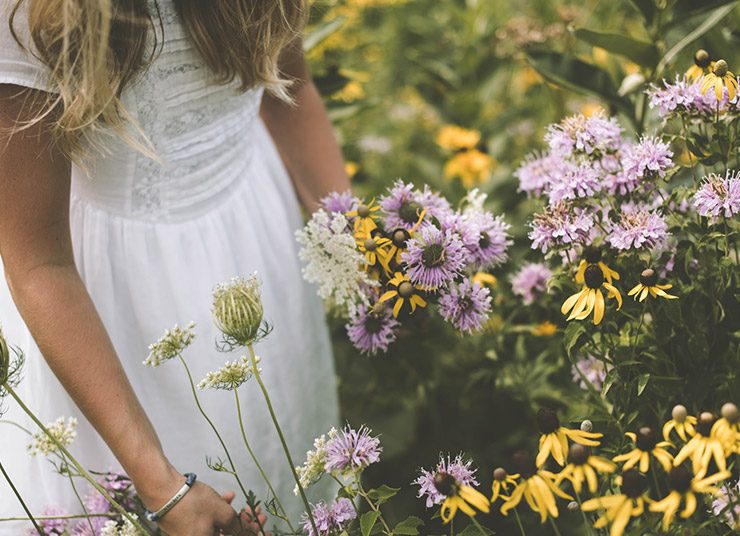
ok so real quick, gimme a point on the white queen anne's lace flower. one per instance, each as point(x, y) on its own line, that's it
point(333, 261)
point(112, 528)
point(228, 377)
point(173, 342)
point(315, 465)
point(60, 431)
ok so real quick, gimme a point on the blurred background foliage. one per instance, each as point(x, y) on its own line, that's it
point(394, 73)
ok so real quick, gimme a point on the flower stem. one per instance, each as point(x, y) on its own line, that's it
point(586, 522)
point(256, 372)
point(519, 522)
point(20, 500)
point(554, 526)
point(478, 526)
point(81, 470)
point(374, 507)
point(256, 461)
point(213, 426)
point(82, 504)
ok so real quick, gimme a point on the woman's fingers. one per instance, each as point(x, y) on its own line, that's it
point(228, 496)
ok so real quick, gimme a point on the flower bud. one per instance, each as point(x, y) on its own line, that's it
point(237, 310)
point(587, 426)
point(4, 359)
point(573, 506)
point(730, 412)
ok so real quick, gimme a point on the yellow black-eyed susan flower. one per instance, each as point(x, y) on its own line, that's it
point(703, 447)
point(376, 249)
point(646, 445)
point(718, 78)
point(471, 166)
point(455, 138)
point(484, 279)
point(681, 422)
point(363, 218)
point(592, 255)
point(501, 482)
point(701, 63)
point(684, 487)
point(554, 439)
point(544, 329)
point(727, 429)
point(584, 467)
point(590, 298)
point(400, 237)
point(649, 285)
point(403, 291)
point(458, 497)
point(536, 486)
point(622, 507)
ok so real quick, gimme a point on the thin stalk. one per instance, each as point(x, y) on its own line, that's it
point(258, 377)
point(20, 500)
point(82, 503)
point(54, 518)
point(519, 523)
point(452, 527)
point(478, 526)
point(81, 470)
point(256, 461)
point(586, 522)
point(213, 426)
point(554, 526)
point(375, 508)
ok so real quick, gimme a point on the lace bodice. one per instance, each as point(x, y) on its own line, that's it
point(202, 132)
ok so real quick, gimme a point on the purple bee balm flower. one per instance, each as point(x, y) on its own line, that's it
point(401, 206)
point(594, 136)
point(460, 470)
point(330, 520)
point(718, 196)
point(560, 225)
point(465, 305)
point(372, 331)
point(574, 182)
point(53, 526)
point(648, 159)
point(684, 97)
point(537, 172)
point(435, 205)
point(493, 240)
point(352, 450)
point(530, 281)
point(638, 227)
point(339, 202)
point(343, 512)
point(593, 370)
point(434, 257)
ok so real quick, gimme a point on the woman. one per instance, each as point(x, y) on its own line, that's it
point(137, 171)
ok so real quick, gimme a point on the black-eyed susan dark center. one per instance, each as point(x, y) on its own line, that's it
point(720, 68)
point(704, 423)
point(593, 276)
point(499, 474)
point(646, 439)
point(649, 278)
point(400, 237)
point(524, 464)
point(701, 58)
point(433, 255)
point(547, 421)
point(633, 484)
point(363, 211)
point(446, 484)
point(592, 254)
point(680, 479)
point(373, 324)
point(578, 454)
point(409, 212)
point(405, 289)
point(371, 244)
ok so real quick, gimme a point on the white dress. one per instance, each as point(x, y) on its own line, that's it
point(151, 240)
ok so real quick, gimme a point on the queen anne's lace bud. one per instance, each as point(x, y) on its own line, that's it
point(237, 310)
point(229, 377)
point(4, 359)
point(60, 432)
point(173, 342)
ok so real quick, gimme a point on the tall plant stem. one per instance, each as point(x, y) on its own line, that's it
point(258, 377)
point(81, 470)
point(586, 522)
point(554, 527)
point(519, 522)
point(478, 526)
point(213, 426)
point(20, 500)
point(374, 507)
point(256, 461)
point(82, 503)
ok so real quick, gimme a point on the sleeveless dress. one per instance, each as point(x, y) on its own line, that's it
point(151, 241)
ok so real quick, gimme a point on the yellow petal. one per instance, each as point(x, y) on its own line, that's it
point(476, 498)
point(635, 289)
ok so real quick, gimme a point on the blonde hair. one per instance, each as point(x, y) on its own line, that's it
point(95, 48)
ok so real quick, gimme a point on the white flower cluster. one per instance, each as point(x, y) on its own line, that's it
point(333, 261)
point(173, 342)
point(112, 528)
point(228, 377)
point(474, 201)
point(64, 432)
point(315, 465)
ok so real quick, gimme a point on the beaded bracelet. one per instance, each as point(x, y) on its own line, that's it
point(169, 505)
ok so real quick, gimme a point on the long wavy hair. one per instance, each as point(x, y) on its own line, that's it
point(95, 48)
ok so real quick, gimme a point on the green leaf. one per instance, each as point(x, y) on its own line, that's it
point(573, 332)
point(472, 530)
point(408, 527)
point(367, 522)
point(688, 8)
point(640, 52)
point(318, 35)
point(611, 377)
point(646, 9)
point(571, 73)
point(642, 382)
point(382, 494)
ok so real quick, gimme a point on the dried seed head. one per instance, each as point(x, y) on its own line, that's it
point(587, 426)
point(646, 439)
point(593, 276)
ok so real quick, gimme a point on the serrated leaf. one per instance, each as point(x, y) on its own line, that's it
point(640, 52)
point(642, 382)
point(382, 494)
point(408, 527)
point(572, 73)
point(367, 522)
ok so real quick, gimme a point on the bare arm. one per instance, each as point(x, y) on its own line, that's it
point(36, 249)
point(303, 134)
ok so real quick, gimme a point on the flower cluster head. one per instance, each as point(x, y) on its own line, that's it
point(530, 282)
point(120, 528)
point(60, 432)
point(455, 138)
point(340, 202)
point(434, 258)
point(53, 524)
point(718, 196)
point(638, 227)
point(648, 286)
point(584, 467)
point(647, 445)
point(592, 370)
point(684, 97)
point(352, 451)
point(170, 345)
point(237, 310)
point(590, 298)
point(372, 329)
point(229, 377)
point(465, 305)
point(580, 135)
point(315, 465)
point(648, 159)
point(451, 485)
point(331, 519)
point(554, 438)
point(621, 507)
point(720, 79)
